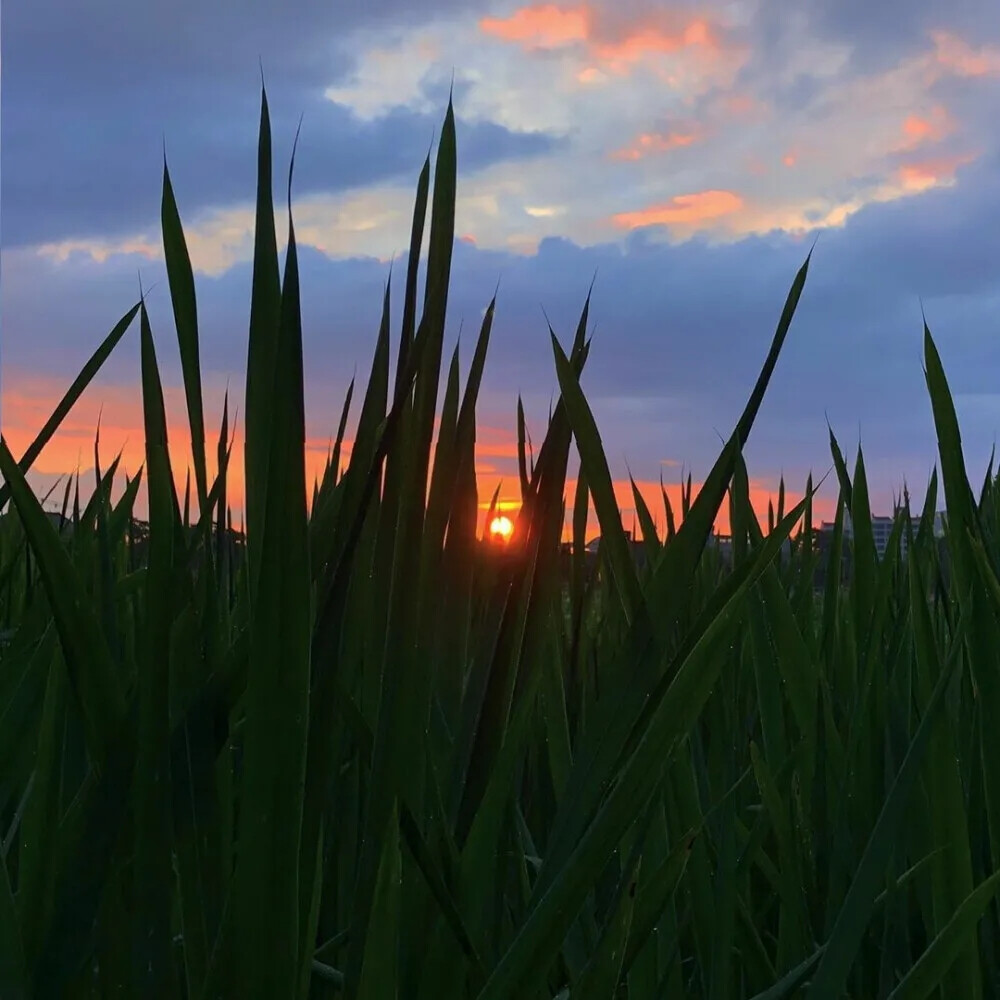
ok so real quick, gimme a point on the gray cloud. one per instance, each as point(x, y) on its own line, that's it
point(89, 96)
point(886, 31)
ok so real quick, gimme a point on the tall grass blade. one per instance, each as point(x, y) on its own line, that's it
point(269, 952)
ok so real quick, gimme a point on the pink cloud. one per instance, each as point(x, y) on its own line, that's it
point(651, 40)
point(613, 43)
point(742, 106)
point(926, 174)
point(699, 206)
point(544, 26)
point(917, 129)
point(647, 143)
point(956, 55)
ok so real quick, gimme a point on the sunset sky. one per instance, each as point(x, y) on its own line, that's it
point(686, 155)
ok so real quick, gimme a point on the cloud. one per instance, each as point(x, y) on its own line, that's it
point(957, 56)
point(919, 130)
point(683, 209)
point(545, 26)
point(648, 143)
point(924, 174)
point(642, 42)
point(87, 109)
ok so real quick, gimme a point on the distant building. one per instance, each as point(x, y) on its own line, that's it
point(882, 527)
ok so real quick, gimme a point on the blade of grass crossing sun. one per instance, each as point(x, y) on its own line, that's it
point(182, 297)
point(266, 881)
point(524, 963)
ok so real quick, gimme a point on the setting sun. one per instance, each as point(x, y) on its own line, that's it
point(501, 528)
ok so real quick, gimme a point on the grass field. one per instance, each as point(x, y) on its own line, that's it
point(365, 755)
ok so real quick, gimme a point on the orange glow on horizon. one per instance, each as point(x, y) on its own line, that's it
point(121, 425)
point(30, 400)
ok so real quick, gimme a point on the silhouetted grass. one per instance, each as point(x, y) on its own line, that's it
point(361, 756)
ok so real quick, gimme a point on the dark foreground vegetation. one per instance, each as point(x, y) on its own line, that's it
point(357, 758)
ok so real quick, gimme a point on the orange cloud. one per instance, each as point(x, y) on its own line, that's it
point(647, 143)
point(917, 130)
point(931, 173)
point(615, 47)
point(544, 26)
point(639, 43)
point(682, 209)
point(957, 56)
point(741, 105)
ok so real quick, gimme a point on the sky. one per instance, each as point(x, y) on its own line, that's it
point(684, 157)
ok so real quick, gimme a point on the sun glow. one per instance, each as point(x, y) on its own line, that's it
point(501, 528)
